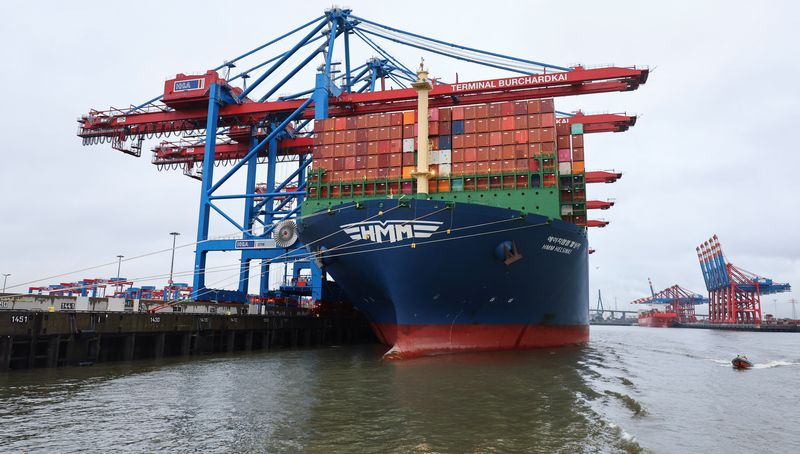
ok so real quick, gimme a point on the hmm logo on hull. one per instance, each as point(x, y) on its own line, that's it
point(390, 231)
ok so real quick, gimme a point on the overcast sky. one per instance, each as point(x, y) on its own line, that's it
point(713, 152)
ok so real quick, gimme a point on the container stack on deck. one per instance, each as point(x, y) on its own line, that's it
point(486, 147)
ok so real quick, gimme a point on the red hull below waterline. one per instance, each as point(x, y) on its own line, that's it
point(410, 341)
point(661, 320)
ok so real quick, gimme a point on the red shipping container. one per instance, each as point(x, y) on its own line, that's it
point(470, 168)
point(548, 120)
point(495, 138)
point(349, 149)
point(445, 115)
point(444, 128)
point(521, 122)
point(507, 123)
point(507, 152)
point(433, 128)
point(507, 109)
point(562, 129)
point(482, 167)
point(372, 173)
point(521, 136)
point(495, 110)
point(548, 134)
point(339, 136)
point(361, 135)
point(563, 155)
point(482, 125)
point(338, 150)
point(317, 139)
point(484, 154)
point(481, 111)
point(408, 132)
point(470, 140)
point(482, 139)
point(434, 143)
point(408, 159)
point(508, 137)
point(373, 147)
point(340, 124)
point(396, 119)
point(396, 160)
point(348, 175)
point(520, 107)
point(372, 161)
point(547, 105)
point(433, 114)
point(338, 164)
point(533, 165)
point(383, 146)
point(482, 183)
point(548, 147)
point(372, 134)
point(521, 151)
point(458, 113)
point(383, 173)
point(361, 162)
point(509, 165)
point(361, 148)
point(509, 182)
point(469, 112)
point(383, 160)
point(396, 146)
point(470, 154)
point(327, 151)
point(470, 126)
point(577, 154)
point(533, 106)
point(549, 180)
point(458, 141)
point(457, 169)
point(495, 166)
point(577, 140)
point(407, 187)
point(362, 122)
point(384, 120)
point(395, 173)
point(495, 124)
point(457, 156)
point(383, 133)
point(351, 123)
point(395, 132)
point(563, 141)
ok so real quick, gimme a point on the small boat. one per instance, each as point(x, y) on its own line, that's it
point(741, 362)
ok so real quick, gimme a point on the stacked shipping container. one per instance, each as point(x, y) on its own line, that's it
point(571, 171)
point(511, 145)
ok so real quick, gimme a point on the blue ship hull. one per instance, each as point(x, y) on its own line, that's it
point(435, 277)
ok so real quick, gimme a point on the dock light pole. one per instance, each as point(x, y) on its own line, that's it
point(5, 278)
point(119, 264)
point(172, 262)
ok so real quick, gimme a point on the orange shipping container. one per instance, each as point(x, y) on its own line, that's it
point(507, 152)
point(409, 118)
point(407, 170)
point(443, 185)
point(578, 167)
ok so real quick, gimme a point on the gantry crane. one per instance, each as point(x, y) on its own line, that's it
point(734, 294)
point(677, 300)
point(239, 119)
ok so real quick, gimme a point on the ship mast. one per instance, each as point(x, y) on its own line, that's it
point(422, 86)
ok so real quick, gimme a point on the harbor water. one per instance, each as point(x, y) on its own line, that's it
point(630, 390)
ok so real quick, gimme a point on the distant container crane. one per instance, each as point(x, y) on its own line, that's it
point(734, 294)
point(675, 300)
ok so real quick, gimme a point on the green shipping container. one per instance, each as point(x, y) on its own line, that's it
point(457, 184)
point(577, 128)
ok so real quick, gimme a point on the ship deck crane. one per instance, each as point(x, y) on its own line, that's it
point(734, 294)
point(248, 125)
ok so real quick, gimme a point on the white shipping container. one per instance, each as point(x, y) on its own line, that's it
point(433, 156)
point(444, 170)
point(566, 210)
point(564, 168)
point(445, 156)
point(408, 145)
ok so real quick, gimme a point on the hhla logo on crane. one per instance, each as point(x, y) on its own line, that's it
point(390, 231)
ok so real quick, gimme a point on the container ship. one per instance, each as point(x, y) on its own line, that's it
point(460, 229)
point(655, 318)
